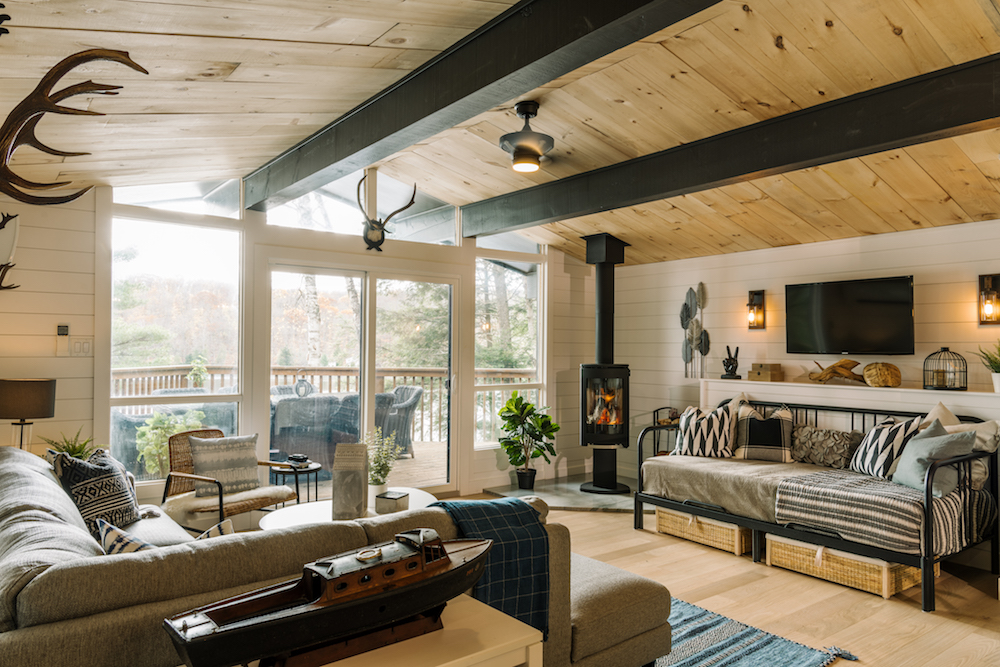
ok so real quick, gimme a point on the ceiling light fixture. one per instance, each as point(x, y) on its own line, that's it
point(527, 146)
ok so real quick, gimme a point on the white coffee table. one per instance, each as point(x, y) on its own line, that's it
point(321, 511)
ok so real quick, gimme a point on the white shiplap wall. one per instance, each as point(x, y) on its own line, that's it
point(945, 263)
point(55, 270)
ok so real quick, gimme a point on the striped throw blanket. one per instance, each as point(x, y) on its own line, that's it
point(882, 514)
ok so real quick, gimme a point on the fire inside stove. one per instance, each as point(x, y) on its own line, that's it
point(604, 401)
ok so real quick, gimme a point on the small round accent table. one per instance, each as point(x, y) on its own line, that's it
point(312, 469)
point(321, 511)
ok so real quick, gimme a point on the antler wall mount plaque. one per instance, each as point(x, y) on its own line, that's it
point(374, 228)
point(19, 128)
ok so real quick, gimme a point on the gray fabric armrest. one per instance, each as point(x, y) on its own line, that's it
point(89, 586)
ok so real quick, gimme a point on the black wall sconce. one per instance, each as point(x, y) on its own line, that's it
point(755, 310)
point(989, 309)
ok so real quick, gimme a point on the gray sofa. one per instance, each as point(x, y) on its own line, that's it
point(64, 602)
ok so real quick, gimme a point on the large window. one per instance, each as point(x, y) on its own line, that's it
point(507, 338)
point(175, 328)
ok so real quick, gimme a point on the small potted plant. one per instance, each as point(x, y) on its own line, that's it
point(529, 433)
point(382, 453)
point(79, 449)
point(991, 359)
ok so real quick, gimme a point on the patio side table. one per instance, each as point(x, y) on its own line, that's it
point(312, 469)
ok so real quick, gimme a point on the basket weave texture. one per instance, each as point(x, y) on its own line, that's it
point(865, 574)
point(726, 536)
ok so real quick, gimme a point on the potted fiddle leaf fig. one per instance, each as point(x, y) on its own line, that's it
point(528, 436)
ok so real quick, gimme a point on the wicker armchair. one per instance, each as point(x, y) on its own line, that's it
point(178, 492)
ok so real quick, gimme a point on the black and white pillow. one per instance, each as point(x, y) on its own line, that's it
point(706, 434)
point(99, 487)
point(882, 445)
point(763, 439)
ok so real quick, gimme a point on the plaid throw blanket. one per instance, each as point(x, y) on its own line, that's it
point(880, 513)
point(516, 580)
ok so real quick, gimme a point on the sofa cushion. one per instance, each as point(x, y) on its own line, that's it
point(40, 525)
point(95, 585)
point(100, 487)
point(157, 528)
point(743, 487)
point(609, 605)
point(232, 461)
point(882, 445)
point(763, 439)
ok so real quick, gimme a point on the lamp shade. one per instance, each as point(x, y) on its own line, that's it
point(27, 399)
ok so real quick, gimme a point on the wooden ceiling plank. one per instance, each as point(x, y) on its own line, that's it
point(688, 90)
point(689, 208)
point(784, 191)
point(980, 146)
point(554, 38)
point(720, 237)
point(823, 188)
point(947, 103)
point(776, 56)
point(964, 29)
point(834, 49)
point(893, 34)
point(416, 36)
point(878, 195)
point(758, 202)
point(727, 71)
point(564, 117)
point(947, 164)
point(680, 238)
point(906, 177)
point(724, 204)
point(446, 184)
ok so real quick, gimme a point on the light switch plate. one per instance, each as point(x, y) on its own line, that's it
point(81, 346)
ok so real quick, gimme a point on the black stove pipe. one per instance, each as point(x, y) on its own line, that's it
point(605, 312)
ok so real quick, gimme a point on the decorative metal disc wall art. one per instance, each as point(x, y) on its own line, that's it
point(19, 127)
point(696, 338)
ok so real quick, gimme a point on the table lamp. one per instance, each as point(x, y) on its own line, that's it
point(23, 400)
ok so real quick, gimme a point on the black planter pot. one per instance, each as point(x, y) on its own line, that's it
point(526, 478)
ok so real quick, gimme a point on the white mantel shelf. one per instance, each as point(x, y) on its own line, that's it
point(985, 405)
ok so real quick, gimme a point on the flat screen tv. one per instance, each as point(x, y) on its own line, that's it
point(872, 316)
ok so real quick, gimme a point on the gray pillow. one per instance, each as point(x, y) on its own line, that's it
point(824, 447)
point(232, 461)
point(932, 444)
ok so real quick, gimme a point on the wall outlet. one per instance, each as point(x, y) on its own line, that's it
point(81, 346)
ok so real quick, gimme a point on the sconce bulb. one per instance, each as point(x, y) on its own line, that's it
point(751, 317)
point(987, 308)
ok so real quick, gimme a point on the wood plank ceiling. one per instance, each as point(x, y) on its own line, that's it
point(234, 83)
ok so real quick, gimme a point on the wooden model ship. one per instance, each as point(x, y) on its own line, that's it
point(338, 597)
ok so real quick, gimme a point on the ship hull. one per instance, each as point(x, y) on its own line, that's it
point(310, 625)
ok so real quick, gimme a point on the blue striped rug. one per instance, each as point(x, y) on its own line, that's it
point(702, 638)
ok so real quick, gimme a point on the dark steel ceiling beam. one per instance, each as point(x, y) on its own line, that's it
point(947, 103)
point(527, 46)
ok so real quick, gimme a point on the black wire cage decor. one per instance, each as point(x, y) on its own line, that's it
point(945, 369)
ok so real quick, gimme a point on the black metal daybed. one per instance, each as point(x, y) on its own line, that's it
point(861, 419)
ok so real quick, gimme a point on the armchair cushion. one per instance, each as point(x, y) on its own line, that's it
point(232, 461)
point(100, 488)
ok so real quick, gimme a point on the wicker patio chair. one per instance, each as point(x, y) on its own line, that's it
point(179, 492)
point(400, 417)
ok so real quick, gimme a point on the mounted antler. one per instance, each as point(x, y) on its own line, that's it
point(7, 217)
point(19, 128)
point(375, 229)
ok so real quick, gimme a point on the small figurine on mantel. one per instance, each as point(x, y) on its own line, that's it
point(731, 364)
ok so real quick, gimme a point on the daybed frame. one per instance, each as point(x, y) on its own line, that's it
point(863, 420)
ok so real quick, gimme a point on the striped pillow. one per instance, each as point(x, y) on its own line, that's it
point(232, 461)
point(117, 541)
point(882, 445)
point(706, 434)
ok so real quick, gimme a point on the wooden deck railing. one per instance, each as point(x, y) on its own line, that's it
point(430, 422)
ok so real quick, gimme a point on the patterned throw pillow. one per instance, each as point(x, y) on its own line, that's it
point(706, 434)
point(763, 439)
point(117, 541)
point(100, 488)
point(232, 461)
point(824, 447)
point(882, 445)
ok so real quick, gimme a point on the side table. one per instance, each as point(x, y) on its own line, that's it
point(312, 469)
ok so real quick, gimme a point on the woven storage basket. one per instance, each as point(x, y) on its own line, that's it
point(725, 536)
point(865, 574)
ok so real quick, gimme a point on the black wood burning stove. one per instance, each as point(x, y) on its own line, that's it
point(604, 385)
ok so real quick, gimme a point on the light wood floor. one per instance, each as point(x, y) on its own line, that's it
point(965, 630)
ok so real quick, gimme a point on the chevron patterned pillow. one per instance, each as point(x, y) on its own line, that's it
point(706, 434)
point(100, 488)
point(882, 445)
